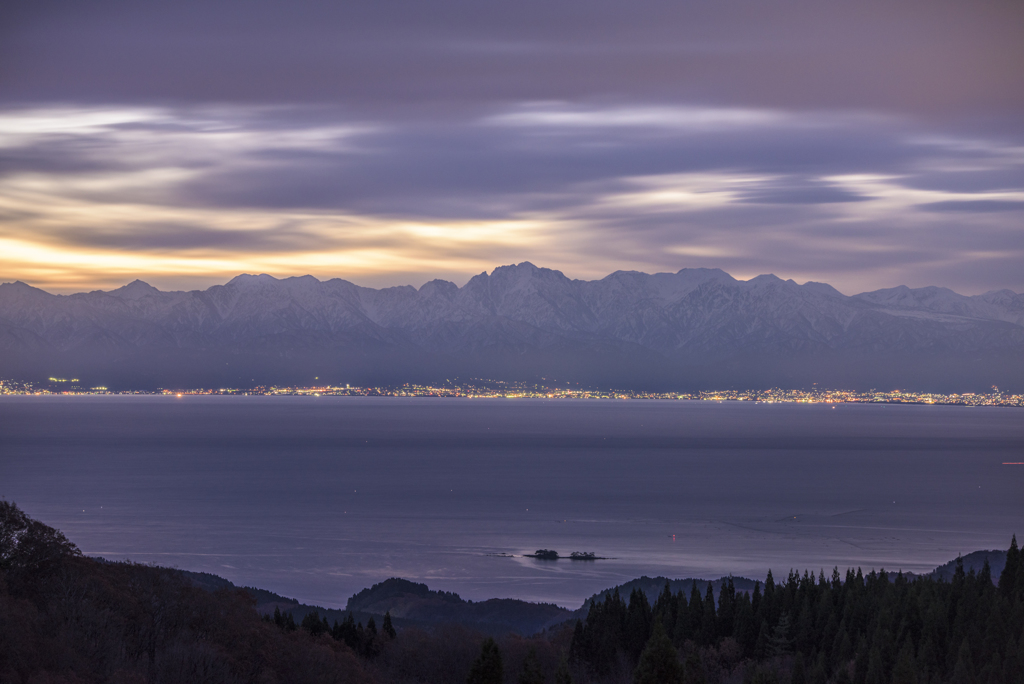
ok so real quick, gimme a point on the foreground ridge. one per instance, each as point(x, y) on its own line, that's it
point(68, 618)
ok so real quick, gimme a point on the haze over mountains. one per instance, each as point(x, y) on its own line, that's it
point(698, 328)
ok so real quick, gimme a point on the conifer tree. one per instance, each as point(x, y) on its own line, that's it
point(779, 643)
point(659, 662)
point(388, 629)
point(348, 632)
point(693, 671)
point(799, 675)
point(709, 626)
point(532, 673)
point(726, 608)
point(638, 624)
point(1008, 577)
point(664, 609)
point(695, 608)
point(311, 623)
point(875, 673)
point(963, 671)
point(682, 629)
point(562, 675)
point(576, 646)
point(905, 671)
point(487, 668)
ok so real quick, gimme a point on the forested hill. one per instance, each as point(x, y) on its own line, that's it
point(409, 604)
point(67, 619)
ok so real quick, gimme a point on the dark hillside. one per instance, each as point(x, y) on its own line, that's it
point(68, 619)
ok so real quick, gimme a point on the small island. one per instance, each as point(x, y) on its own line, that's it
point(549, 554)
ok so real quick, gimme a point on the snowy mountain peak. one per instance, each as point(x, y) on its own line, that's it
point(134, 290)
point(249, 280)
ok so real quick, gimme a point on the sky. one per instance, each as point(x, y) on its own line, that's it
point(865, 144)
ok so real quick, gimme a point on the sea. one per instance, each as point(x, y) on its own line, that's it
point(317, 498)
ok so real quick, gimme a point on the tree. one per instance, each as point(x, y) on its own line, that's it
point(1008, 577)
point(708, 628)
point(659, 662)
point(779, 643)
point(487, 668)
point(562, 675)
point(799, 675)
point(28, 547)
point(905, 671)
point(348, 632)
point(638, 624)
point(963, 671)
point(531, 672)
point(693, 673)
point(388, 628)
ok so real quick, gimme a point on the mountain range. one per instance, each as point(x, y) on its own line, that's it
point(694, 329)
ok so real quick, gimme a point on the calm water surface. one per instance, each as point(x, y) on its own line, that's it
point(318, 498)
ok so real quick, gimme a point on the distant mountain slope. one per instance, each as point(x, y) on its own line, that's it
point(694, 328)
point(973, 562)
point(413, 604)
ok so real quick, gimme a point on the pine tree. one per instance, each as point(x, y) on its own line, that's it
point(985, 576)
point(695, 608)
point(664, 609)
point(562, 675)
point(693, 672)
point(709, 626)
point(487, 668)
point(682, 629)
point(659, 662)
point(905, 671)
point(727, 609)
point(312, 623)
point(388, 629)
point(348, 632)
point(576, 646)
point(638, 624)
point(1008, 577)
point(531, 672)
point(876, 669)
point(779, 643)
point(799, 676)
point(963, 671)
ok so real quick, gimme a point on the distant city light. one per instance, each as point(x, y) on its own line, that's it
point(498, 389)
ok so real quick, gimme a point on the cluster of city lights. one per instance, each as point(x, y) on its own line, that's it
point(495, 389)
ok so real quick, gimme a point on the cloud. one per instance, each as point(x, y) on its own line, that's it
point(972, 206)
point(191, 195)
point(573, 119)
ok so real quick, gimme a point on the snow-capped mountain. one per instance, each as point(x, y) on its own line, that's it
point(697, 327)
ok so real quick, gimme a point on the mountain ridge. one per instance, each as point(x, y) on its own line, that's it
point(696, 328)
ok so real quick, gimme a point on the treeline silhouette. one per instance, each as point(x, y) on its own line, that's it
point(68, 619)
point(863, 629)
